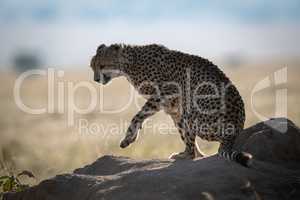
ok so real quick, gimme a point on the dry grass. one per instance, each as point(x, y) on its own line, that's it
point(45, 144)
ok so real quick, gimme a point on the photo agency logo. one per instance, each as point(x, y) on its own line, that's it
point(277, 80)
point(61, 97)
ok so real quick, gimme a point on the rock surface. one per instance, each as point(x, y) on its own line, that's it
point(275, 173)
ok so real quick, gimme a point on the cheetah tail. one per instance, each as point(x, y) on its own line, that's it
point(243, 158)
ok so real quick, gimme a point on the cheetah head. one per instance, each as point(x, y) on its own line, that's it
point(107, 63)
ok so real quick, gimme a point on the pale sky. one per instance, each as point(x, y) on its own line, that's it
point(66, 33)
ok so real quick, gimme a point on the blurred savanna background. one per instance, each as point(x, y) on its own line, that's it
point(251, 41)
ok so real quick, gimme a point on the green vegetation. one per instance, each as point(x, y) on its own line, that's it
point(12, 183)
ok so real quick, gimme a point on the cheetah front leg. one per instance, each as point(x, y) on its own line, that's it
point(150, 108)
point(191, 148)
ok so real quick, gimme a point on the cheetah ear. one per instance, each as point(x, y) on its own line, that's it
point(99, 49)
point(115, 47)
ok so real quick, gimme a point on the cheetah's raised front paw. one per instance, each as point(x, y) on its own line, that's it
point(126, 142)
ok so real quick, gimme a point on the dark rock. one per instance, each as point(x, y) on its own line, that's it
point(274, 174)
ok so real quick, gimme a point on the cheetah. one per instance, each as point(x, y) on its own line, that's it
point(198, 96)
